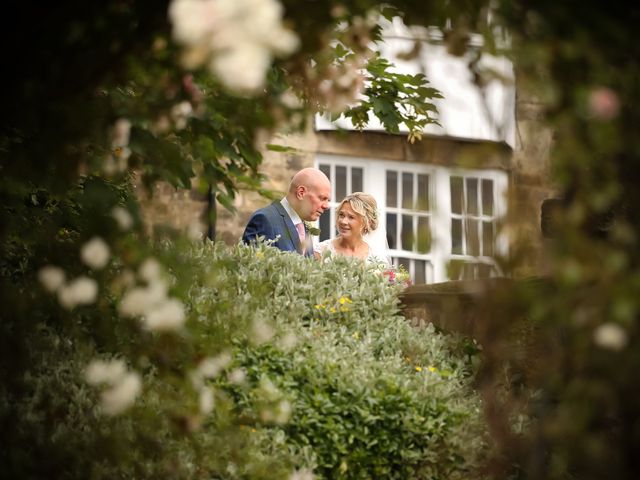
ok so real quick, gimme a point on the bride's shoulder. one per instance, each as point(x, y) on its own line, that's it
point(322, 246)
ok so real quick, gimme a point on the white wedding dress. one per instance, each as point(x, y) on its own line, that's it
point(377, 249)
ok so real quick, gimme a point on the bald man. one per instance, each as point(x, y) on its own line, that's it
point(308, 197)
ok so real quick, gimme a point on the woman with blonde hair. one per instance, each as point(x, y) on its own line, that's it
point(359, 232)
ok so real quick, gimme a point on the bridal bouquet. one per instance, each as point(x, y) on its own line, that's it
point(395, 275)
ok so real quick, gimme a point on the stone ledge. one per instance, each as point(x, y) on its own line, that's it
point(453, 306)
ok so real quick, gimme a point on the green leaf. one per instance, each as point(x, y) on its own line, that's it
point(280, 148)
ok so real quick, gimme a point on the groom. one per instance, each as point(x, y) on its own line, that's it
point(308, 197)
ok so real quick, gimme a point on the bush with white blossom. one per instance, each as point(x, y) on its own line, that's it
point(237, 39)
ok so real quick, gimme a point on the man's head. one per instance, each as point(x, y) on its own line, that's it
point(309, 193)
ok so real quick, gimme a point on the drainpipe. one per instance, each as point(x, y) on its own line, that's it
point(212, 213)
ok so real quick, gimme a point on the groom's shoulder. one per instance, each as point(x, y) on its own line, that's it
point(268, 211)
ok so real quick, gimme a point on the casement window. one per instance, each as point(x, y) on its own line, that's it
point(441, 222)
point(346, 178)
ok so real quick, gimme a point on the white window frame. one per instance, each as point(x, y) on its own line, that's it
point(333, 161)
point(374, 182)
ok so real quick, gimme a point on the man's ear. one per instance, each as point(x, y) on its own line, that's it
point(300, 191)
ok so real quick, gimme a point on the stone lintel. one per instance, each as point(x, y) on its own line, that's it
point(432, 149)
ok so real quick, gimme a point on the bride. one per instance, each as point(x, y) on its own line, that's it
point(359, 234)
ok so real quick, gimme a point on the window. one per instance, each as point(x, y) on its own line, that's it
point(473, 226)
point(408, 221)
point(345, 178)
point(441, 222)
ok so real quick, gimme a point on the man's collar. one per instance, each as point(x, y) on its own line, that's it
point(295, 218)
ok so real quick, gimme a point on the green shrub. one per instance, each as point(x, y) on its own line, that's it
point(334, 373)
point(310, 366)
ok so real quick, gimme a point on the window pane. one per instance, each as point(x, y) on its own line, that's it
point(407, 190)
point(455, 269)
point(487, 238)
point(424, 235)
point(469, 271)
point(392, 230)
point(341, 183)
point(456, 236)
point(423, 192)
point(487, 197)
point(407, 232)
point(356, 180)
point(405, 262)
point(392, 188)
point(456, 194)
point(325, 225)
point(484, 270)
point(326, 169)
point(473, 244)
point(419, 272)
point(472, 196)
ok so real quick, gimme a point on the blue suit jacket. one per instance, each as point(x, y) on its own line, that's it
point(273, 221)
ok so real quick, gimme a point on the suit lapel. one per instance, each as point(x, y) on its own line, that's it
point(290, 227)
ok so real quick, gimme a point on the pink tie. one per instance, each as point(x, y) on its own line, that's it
point(300, 228)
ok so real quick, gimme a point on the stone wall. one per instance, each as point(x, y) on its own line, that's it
point(531, 184)
point(180, 209)
point(450, 306)
point(527, 165)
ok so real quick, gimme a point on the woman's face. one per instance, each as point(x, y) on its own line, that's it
point(349, 223)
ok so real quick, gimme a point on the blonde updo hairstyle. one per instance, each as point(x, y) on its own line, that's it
point(365, 206)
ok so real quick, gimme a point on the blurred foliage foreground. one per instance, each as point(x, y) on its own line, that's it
point(285, 366)
point(122, 357)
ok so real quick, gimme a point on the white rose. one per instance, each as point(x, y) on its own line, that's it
point(122, 217)
point(51, 278)
point(237, 376)
point(193, 20)
point(109, 372)
point(244, 67)
point(121, 395)
point(80, 291)
point(206, 400)
point(121, 133)
point(168, 315)
point(95, 253)
point(150, 270)
point(141, 300)
point(283, 42)
point(282, 412)
point(611, 336)
point(237, 37)
point(210, 367)
point(290, 100)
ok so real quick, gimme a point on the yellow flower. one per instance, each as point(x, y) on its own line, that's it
point(332, 309)
point(344, 309)
point(344, 300)
point(432, 369)
point(418, 368)
point(356, 335)
point(260, 254)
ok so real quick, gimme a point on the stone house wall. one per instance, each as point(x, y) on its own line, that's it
point(527, 165)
